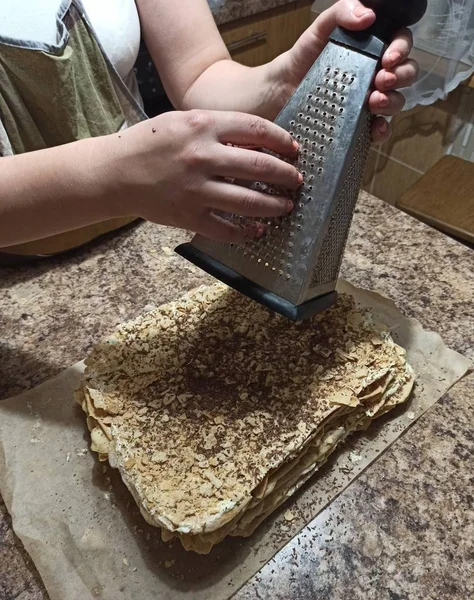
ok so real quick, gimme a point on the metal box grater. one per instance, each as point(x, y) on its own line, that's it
point(294, 268)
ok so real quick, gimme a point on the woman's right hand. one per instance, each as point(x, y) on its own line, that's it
point(176, 169)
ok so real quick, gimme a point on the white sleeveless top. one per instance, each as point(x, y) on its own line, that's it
point(115, 22)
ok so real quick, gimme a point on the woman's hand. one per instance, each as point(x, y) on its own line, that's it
point(196, 69)
point(176, 170)
point(398, 71)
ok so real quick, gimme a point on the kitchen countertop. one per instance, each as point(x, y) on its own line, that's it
point(401, 531)
point(226, 11)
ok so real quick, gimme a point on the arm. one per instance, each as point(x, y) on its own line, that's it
point(197, 71)
point(50, 191)
point(193, 61)
point(173, 170)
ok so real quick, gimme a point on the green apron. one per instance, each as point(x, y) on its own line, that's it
point(56, 94)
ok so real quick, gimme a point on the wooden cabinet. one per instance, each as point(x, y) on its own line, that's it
point(444, 198)
point(259, 39)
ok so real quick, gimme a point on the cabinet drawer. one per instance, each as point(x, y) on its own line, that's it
point(256, 40)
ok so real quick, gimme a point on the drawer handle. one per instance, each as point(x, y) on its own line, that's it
point(248, 41)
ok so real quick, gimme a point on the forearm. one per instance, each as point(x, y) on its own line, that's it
point(55, 190)
point(227, 85)
point(194, 63)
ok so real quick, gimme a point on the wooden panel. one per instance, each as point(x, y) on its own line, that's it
point(392, 179)
point(259, 39)
point(469, 82)
point(444, 198)
point(422, 135)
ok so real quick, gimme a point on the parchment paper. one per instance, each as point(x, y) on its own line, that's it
point(84, 532)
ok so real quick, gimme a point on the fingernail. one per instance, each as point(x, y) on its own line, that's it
point(296, 146)
point(360, 11)
point(384, 101)
point(390, 80)
point(383, 127)
point(300, 178)
point(394, 57)
point(289, 206)
point(259, 230)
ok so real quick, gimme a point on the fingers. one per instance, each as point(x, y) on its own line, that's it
point(381, 131)
point(231, 198)
point(398, 50)
point(248, 130)
point(386, 104)
point(249, 165)
point(217, 228)
point(401, 76)
point(350, 14)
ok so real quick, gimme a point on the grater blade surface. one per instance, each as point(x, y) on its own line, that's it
point(299, 258)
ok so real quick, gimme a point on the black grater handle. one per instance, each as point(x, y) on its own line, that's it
point(392, 15)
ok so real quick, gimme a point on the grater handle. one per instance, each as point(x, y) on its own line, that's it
point(392, 15)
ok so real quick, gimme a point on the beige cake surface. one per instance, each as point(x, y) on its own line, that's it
point(215, 410)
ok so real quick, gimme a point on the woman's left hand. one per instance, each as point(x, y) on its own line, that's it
point(398, 71)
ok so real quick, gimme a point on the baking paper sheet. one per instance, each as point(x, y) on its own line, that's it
point(82, 528)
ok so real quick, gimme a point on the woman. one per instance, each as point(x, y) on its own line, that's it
point(78, 153)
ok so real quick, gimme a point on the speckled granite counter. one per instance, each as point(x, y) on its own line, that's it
point(402, 531)
point(226, 11)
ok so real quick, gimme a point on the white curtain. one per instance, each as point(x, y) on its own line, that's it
point(444, 48)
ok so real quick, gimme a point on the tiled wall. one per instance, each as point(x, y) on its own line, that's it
point(421, 137)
